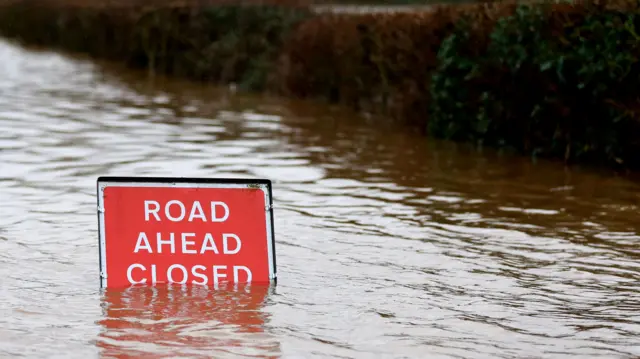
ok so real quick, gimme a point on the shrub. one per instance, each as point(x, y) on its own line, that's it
point(553, 80)
point(222, 44)
point(219, 43)
point(373, 62)
point(379, 62)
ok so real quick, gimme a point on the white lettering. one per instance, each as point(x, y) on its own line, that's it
point(199, 275)
point(197, 207)
point(247, 270)
point(143, 237)
point(208, 244)
point(214, 218)
point(185, 242)
point(170, 274)
point(196, 274)
point(171, 241)
point(167, 211)
point(225, 243)
point(216, 274)
point(130, 278)
point(219, 211)
point(148, 210)
point(154, 278)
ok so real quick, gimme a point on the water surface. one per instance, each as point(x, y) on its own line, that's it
point(389, 246)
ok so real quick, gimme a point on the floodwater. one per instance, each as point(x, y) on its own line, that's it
point(389, 246)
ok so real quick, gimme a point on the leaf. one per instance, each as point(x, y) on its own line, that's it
point(546, 66)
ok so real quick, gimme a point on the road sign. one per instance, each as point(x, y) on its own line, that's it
point(192, 231)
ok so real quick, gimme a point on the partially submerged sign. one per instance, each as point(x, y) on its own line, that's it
point(185, 230)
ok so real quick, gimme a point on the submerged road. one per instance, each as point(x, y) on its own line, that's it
point(388, 245)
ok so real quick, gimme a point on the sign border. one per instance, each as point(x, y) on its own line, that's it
point(119, 181)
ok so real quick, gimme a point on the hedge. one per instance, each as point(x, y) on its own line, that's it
point(553, 80)
point(215, 41)
point(549, 80)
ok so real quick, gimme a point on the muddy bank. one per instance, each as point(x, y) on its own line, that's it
point(530, 79)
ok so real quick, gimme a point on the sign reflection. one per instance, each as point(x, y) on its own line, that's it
point(194, 321)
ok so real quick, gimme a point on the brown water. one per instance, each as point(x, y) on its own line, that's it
point(388, 246)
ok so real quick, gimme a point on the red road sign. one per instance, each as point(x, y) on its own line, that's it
point(190, 231)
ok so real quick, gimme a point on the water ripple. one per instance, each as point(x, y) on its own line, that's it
point(388, 246)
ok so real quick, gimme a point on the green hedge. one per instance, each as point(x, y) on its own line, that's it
point(217, 43)
point(551, 81)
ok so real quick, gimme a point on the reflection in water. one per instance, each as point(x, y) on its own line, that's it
point(186, 320)
point(388, 245)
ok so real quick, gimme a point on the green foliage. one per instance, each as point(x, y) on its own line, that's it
point(220, 43)
point(547, 84)
point(449, 92)
point(226, 43)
